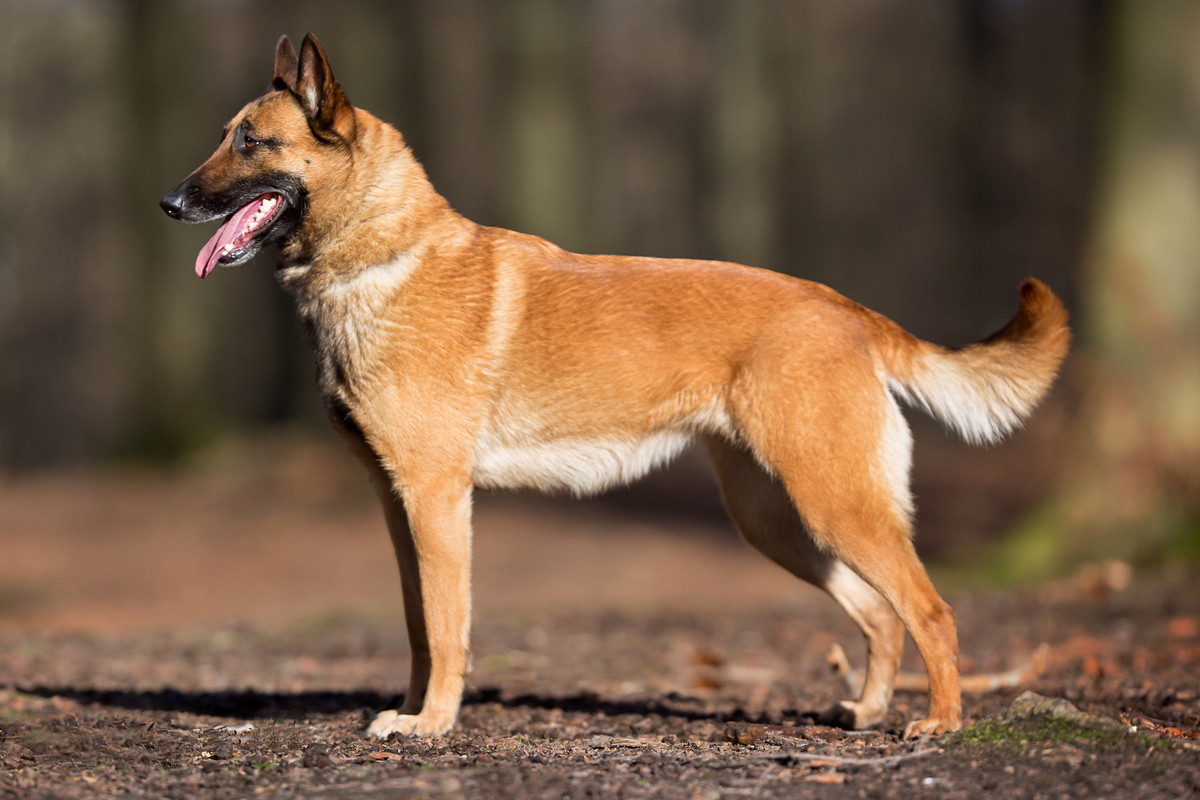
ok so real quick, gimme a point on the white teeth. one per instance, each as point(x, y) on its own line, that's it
point(264, 210)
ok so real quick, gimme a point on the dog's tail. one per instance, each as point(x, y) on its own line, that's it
point(984, 390)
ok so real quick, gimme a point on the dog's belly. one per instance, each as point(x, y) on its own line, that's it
point(577, 464)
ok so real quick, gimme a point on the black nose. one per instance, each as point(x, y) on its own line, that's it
point(172, 203)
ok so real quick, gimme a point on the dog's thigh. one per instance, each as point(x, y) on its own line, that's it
point(763, 512)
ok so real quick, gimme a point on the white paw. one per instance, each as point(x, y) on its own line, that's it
point(853, 716)
point(387, 723)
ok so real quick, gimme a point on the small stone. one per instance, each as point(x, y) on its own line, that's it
point(740, 733)
point(1031, 704)
point(316, 755)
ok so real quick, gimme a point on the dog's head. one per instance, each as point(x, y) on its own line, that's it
point(279, 147)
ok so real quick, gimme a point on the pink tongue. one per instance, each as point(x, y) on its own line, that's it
point(206, 262)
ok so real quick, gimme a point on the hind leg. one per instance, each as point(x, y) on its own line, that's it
point(763, 512)
point(888, 562)
point(842, 455)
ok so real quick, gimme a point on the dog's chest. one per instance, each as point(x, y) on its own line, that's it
point(346, 325)
point(343, 343)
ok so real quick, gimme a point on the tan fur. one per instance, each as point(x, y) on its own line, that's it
point(452, 355)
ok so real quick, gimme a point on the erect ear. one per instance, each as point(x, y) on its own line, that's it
point(285, 65)
point(328, 110)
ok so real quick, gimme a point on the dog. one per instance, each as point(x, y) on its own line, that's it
point(451, 356)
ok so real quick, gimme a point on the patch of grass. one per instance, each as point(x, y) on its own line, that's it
point(1046, 731)
point(497, 662)
point(36, 737)
point(1031, 551)
point(1034, 549)
point(1042, 546)
point(1186, 546)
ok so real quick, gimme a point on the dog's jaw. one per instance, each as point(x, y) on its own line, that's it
point(240, 236)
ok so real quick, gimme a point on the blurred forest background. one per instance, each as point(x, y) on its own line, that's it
point(920, 156)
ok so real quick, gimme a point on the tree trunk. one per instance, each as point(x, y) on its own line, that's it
point(1134, 489)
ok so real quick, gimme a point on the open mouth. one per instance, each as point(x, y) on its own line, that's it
point(235, 240)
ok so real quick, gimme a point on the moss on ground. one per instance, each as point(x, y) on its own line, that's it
point(1047, 731)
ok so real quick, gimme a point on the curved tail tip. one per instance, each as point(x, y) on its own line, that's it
point(1042, 317)
point(1032, 289)
point(1040, 299)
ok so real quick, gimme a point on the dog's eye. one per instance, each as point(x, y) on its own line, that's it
point(250, 141)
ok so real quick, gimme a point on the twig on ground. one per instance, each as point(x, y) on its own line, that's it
point(837, 761)
point(917, 682)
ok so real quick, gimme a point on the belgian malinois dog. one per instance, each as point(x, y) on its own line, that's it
point(451, 355)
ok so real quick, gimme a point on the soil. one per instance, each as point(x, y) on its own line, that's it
point(228, 631)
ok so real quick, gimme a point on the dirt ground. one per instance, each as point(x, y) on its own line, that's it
point(227, 631)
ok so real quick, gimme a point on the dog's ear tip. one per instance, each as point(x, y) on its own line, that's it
point(319, 92)
point(311, 52)
point(285, 64)
point(283, 47)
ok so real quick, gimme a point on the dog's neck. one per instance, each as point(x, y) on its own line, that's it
point(391, 207)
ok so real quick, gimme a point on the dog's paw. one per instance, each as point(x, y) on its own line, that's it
point(851, 715)
point(930, 727)
point(387, 723)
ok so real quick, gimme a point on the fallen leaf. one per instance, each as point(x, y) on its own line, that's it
point(1183, 627)
point(827, 777)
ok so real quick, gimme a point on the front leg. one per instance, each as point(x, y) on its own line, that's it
point(410, 586)
point(430, 527)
